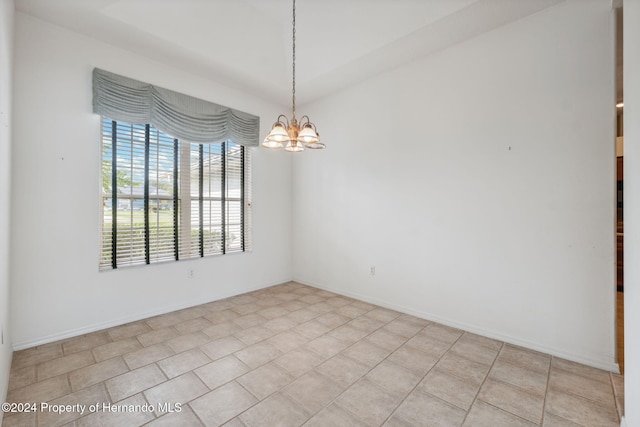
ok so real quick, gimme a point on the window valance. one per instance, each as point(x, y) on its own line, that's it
point(181, 116)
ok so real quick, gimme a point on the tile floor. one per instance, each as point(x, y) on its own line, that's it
point(296, 355)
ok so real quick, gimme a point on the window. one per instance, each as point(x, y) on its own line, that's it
point(164, 199)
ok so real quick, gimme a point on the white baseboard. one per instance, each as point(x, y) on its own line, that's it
point(611, 367)
point(623, 423)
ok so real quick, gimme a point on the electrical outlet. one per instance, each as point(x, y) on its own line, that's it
point(372, 270)
point(190, 273)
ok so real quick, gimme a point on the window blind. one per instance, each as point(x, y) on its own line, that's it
point(165, 199)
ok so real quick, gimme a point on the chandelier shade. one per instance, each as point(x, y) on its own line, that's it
point(294, 136)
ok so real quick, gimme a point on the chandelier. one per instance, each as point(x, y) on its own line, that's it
point(292, 134)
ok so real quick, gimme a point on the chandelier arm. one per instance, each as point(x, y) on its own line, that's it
point(284, 122)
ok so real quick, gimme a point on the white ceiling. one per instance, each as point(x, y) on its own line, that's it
point(247, 43)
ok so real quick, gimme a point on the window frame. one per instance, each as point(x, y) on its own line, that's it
point(110, 244)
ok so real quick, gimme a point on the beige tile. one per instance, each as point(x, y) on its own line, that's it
point(312, 299)
point(363, 305)
point(463, 368)
point(181, 389)
point(413, 359)
point(529, 359)
point(442, 332)
point(243, 299)
point(85, 342)
point(184, 418)
point(22, 419)
point(35, 355)
point(245, 309)
point(344, 370)
point(326, 346)
point(321, 307)
point(429, 344)
point(334, 416)
point(618, 392)
point(333, 320)
point(475, 351)
point(164, 320)
point(367, 324)
point(551, 420)
point(134, 382)
point(280, 324)
point(485, 415)
point(368, 402)
point(294, 305)
point(382, 314)
point(312, 329)
point(64, 364)
point(313, 391)
point(157, 336)
point(257, 354)
point(350, 311)
point(221, 330)
point(192, 313)
point(287, 341)
point(223, 316)
point(147, 355)
point(273, 312)
point(298, 362)
point(582, 370)
point(580, 410)
point(402, 328)
point(254, 334)
point(513, 400)
point(423, 409)
point(193, 325)
point(221, 371)
point(42, 391)
point(249, 320)
point(302, 315)
point(74, 404)
point(448, 387)
point(418, 321)
point(222, 404)
point(339, 301)
point(348, 334)
point(219, 305)
point(128, 330)
point(387, 340)
point(96, 373)
point(22, 377)
point(366, 353)
point(113, 416)
point(116, 348)
point(268, 301)
point(532, 381)
point(275, 410)
point(265, 380)
point(187, 342)
point(483, 341)
point(183, 362)
point(222, 347)
point(393, 378)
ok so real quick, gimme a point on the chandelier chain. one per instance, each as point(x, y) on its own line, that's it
point(293, 91)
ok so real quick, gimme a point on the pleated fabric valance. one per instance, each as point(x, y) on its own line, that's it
point(181, 116)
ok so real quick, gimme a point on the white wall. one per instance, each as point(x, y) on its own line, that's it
point(631, 70)
point(6, 74)
point(480, 183)
point(57, 288)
